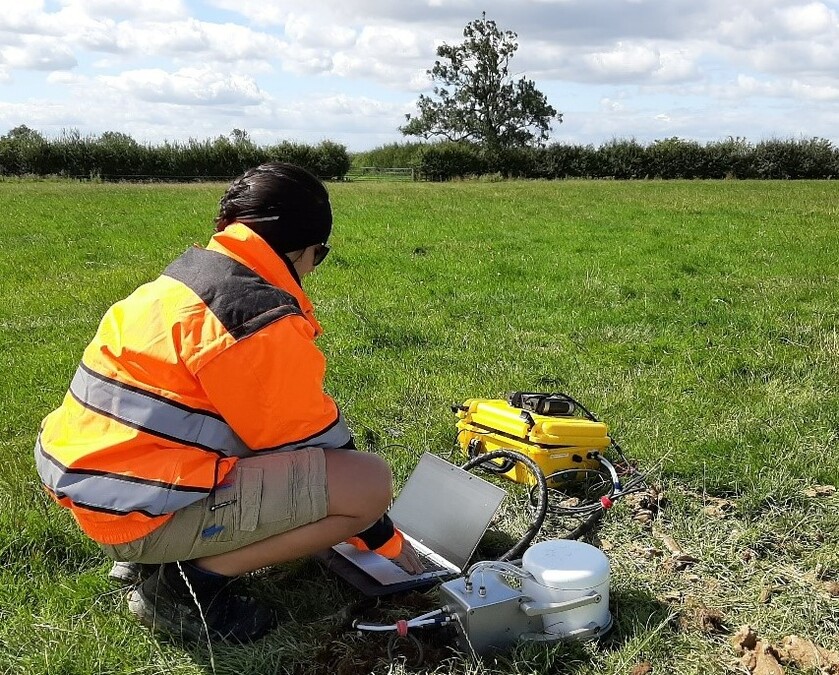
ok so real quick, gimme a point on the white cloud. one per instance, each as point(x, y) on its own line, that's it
point(624, 60)
point(37, 53)
point(152, 10)
point(307, 30)
point(358, 105)
point(305, 60)
point(790, 57)
point(630, 65)
point(257, 12)
point(199, 40)
point(353, 120)
point(395, 75)
point(808, 20)
point(676, 65)
point(786, 88)
point(391, 42)
point(66, 78)
point(22, 15)
point(741, 28)
point(188, 86)
point(611, 105)
point(815, 92)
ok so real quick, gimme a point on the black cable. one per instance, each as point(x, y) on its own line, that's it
point(574, 475)
point(586, 526)
point(394, 640)
point(541, 485)
point(585, 411)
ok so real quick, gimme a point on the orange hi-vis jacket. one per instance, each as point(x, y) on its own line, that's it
point(212, 361)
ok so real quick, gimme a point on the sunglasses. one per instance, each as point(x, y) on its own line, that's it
point(320, 253)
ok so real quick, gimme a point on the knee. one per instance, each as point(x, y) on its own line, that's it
point(379, 484)
point(360, 484)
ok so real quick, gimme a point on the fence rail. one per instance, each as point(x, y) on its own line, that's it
point(358, 173)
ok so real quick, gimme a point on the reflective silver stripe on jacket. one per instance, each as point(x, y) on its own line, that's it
point(336, 436)
point(122, 493)
point(111, 492)
point(155, 414)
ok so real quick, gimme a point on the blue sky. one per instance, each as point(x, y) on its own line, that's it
point(349, 70)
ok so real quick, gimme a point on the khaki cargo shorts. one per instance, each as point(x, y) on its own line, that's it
point(262, 496)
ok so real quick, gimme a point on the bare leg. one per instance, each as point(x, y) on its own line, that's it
point(360, 488)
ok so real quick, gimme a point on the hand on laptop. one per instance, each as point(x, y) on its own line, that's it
point(408, 559)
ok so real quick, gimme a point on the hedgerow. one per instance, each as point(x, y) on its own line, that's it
point(114, 156)
point(814, 158)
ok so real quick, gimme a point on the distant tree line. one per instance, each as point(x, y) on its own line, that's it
point(114, 155)
point(814, 158)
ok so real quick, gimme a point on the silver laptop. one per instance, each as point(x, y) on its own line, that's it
point(443, 511)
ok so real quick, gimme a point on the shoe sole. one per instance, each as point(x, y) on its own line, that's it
point(130, 574)
point(160, 619)
point(178, 623)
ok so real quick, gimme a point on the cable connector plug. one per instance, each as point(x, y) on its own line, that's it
point(606, 503)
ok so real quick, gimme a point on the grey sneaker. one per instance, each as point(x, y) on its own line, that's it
point(164, 603)
point(130, 573)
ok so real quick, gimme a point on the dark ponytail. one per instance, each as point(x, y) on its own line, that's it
point(283, 203)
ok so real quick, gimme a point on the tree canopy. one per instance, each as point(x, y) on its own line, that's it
point(476, 97)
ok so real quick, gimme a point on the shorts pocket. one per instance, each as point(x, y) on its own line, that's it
point(266, 503)
point(249, 498)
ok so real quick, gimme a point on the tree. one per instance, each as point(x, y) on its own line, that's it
point(117, 139)
point(477, 99)
point(240, 137)
point(23, 133)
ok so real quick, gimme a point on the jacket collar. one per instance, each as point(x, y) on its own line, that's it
point(245, 246)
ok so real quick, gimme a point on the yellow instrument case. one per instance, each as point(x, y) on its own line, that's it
point(553, 442)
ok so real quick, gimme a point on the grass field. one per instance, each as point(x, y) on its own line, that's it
point(698, 319)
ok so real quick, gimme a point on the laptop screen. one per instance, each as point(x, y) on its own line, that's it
point(446, 508)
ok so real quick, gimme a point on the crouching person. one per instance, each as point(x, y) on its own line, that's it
point(196, 443)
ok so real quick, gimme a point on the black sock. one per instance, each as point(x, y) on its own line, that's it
point(203, 583)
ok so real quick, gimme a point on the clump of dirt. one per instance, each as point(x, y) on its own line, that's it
point(806, 655)
point(763, 658)
point(697, 616)
point(758, 656)
point(643, 668)
point(647, 504)
point(711, 620)
point(718, 507)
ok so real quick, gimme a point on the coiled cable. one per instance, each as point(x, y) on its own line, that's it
point(539, 493)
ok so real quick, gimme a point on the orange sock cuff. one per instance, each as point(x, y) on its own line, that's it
point(390, 549)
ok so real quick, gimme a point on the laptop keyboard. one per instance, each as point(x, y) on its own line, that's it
point(429, 564)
